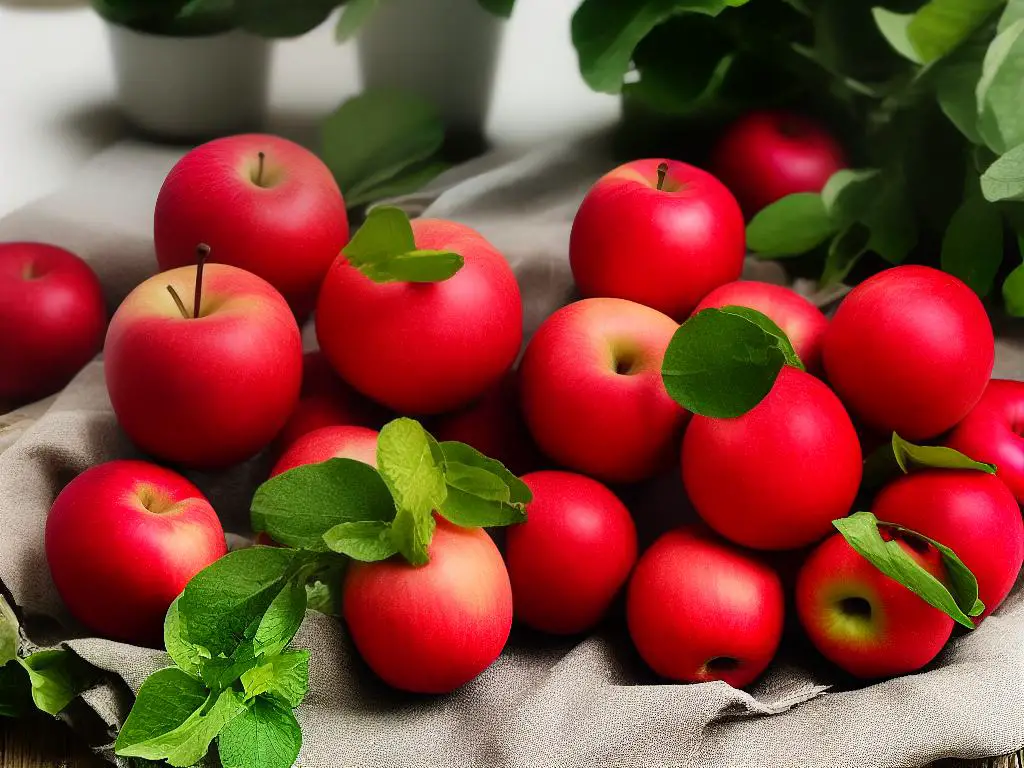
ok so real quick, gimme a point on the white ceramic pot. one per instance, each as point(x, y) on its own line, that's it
point(191, 88)
point(444, 50)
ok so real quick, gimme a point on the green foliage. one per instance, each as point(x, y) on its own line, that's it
point(269, 18)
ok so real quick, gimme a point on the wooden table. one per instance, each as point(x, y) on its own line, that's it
point(46, 744)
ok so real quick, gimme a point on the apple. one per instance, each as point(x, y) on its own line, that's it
point(573, 554)
point(208, 391)
point(592, 391)
point(910, 350)
point(863, 621)
point(424, 348)
point(765, 156)
point(971, 512)
point(358, 443)
point(777, 476)
point(52, 309)
point(494, 425)
point(433, 628)
point(326, 401)
point(658, 232)
point(699, 609)
point(122, 540)
point(992, 432)
point(802, 322)
point(261, 203)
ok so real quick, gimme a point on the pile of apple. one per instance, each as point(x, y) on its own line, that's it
point(205, 369)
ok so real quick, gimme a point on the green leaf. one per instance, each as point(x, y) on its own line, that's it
point(281, 621)
point(847, 193)
point(481, 491)
point(877, 201)
point(999, 90)
point(188, 656)
point(384, 250)
point(844, 252)
point(368, 541)
point(284, 677)
point(283, 18)
point(1013, 292)
point(266, 735)
point(768, 325)
point(154, 736)
point(720, 364)
point(1013, 12)
point(374, 137)
point(408, 180)
point(57, 678)
point(470, 511)
point(1004, 179)
point(15, 691)
point(10, 637)
point(861, 532)
point(972, 248)
point(791, 226)
point(900, 457)
point(501, 8)
point(222, 672)
point(408, 465)
point(456, 453)
point(895, 28)
point(411, 533)
point(956, 85)
point(354, 15)
point(324, 597)
point(606, 32)
point(225, 598)
point(940, 26)
point(297, 507)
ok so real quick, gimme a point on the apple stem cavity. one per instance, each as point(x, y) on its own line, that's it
point(662, 173)
point(178, 301)
point(202, 253)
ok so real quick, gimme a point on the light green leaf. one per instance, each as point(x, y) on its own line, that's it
point(408, 465)
point(284, 677)
point(166, 700)
point(384, 250)
point(10, 637)
point(895, 28)
point(1001, 89)
point(57, 678)
point(188, 656)
point(411, 533)
point(470, 511)
point(281, 621)
point(1013, 292)
point(940, 26)
point(367, 541)
point(846, 193)
point(791, 226)
point(972, 248)
point(354, 14)
point(1004, 179)
point(456, 453)
point(266, 735)
point(1013, 12)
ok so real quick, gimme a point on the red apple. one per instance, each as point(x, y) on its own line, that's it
point(424, 348)
point(972, 513)
point(572, 555)
point(263, 204)
point(210, 391)
point(665, 247)
point(863, 621)
point(326, 401)
point(122, 540)
point(765, 156)
point(434, 628)
point(910, 350)
point(494, 425)
point(699, 609)
point(777, 476)
point(802, 322)
point(358, 443)
point(592, 390)
point(992, 432)
point(52, 310)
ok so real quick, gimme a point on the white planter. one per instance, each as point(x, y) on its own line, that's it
point(443, 50)
point(191, 88)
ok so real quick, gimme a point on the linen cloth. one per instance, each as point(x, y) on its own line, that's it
point(546, 703)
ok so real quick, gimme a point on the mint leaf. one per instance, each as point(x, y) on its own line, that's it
point(281, 621)
point(895, 28)
point(1013, 292)
point(471, 511)
point(768, 325)
point(384, 250)
point(188, 656)
point(354, 14)
point(720, 364)
point(284, 677)
point(154, 736)
point(972, 248)
point(861, 532)
point(606, 33)
point(411, 534)
point(57, 678)
point(368, 541)
point(266, 735)
point(408, 464)
point(222, 671)
point(1004, 179)
point(1000, 121)
point(297, 507)
point(225, 598)
point(791, 226)
point(941, 25)
point(1013, 12)
point(458, 454)
point(10, 637)
point(481, 491)
point(901, 457)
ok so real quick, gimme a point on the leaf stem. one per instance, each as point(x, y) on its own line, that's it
point(662, 172)
point(178, 301)
point(202, 253)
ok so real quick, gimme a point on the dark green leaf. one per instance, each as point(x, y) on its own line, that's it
point(848, 193)
point(297, 507)
point(284, 677)
point(57, 678)
point(222, 672)
point(368, 541)
point(188, 656)
point(900, 457)
point(1004, 179)
point(956, 86)
point(1013, 292)
point(283, 18)
point(166, 700)
point(225, 598)
point(940, 26)
point(281, 621)
point(878, 202)
point(10, 637)
point(720, 364)
point(844, 252)
point(768, 325)
point(266, 735)
point(354, 15)
point(408, 180)
point(861, 532)
point(501, 8)
point(15, 691)
point(791, 226)
point(972, 248)
point(1000, 122)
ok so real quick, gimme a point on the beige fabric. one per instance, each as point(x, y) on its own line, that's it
point(545, 703)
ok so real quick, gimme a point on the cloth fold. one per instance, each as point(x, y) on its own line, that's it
point(546, 703)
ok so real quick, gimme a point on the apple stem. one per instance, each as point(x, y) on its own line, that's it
point(259, 171)
point(178, 301)
point(202, 253)
point(662, 172)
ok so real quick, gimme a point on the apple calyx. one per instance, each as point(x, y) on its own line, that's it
point(384, 250)
point(662, 173)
